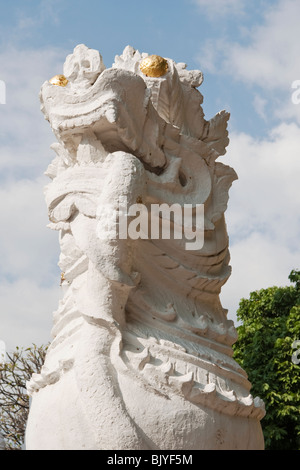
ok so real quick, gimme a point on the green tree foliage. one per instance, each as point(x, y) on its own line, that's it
point(266, 351)
point(14, 401)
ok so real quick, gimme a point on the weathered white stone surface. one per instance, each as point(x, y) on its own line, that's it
point(141, 356)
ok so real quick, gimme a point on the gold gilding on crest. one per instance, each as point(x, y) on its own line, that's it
point(58, 80)
point(154, 66)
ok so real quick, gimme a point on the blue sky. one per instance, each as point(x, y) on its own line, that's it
point(249, 55)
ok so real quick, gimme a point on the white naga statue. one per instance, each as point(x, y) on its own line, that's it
point(141, 356)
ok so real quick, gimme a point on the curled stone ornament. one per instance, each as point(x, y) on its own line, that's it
point(141, 355)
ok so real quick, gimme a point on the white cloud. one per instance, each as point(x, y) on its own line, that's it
point(258, 262)
point(259, 104)
point(268, 190)
point(271, 60)
point(263, 212)
point(29, 275)
point(25, 135)
point(267, 57)
point(26, 313)
point(27, 24)
point(27, 247)
point(211, 55)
